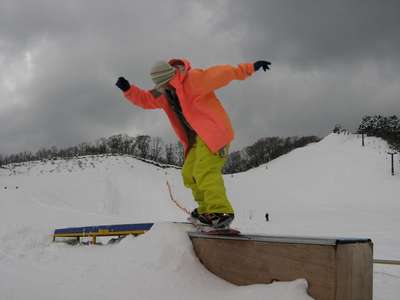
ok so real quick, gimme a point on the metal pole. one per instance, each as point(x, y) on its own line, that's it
point(392, 158)
point(362, 137)
point(392, 164)
point(387, 262)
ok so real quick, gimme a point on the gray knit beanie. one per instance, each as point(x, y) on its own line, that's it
point(161, 73)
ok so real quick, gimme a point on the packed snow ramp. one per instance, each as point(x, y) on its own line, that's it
point(335, 268)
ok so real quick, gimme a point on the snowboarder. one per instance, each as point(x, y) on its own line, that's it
point(187, 96)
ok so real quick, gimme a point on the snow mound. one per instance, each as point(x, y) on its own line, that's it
point(159, 264)
point(331, 188)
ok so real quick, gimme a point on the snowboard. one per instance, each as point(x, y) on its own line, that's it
point(211, 230)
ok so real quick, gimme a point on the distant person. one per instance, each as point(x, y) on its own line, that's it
point(201, 124)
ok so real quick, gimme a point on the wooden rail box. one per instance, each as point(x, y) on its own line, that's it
point(335, 268)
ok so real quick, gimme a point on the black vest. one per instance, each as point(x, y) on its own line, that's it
point(176, 107)
point(173, 101)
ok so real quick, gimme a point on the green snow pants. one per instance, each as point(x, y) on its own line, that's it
point(202, 173)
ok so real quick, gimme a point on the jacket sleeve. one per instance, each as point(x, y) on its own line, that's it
point(145, 99)
point(208, 80)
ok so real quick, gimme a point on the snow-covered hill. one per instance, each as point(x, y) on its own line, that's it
point(331, 188)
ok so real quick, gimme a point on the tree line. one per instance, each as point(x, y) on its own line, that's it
point(385, 127)
point(154, 149)
point(263, 151)
point(141, 146)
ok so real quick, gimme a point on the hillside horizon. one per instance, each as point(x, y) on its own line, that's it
point(334, 187)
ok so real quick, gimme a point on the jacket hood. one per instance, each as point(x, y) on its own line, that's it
point(183, 65)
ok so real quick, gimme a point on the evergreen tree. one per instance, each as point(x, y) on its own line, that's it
point(387, 128)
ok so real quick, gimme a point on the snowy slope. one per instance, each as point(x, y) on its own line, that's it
point(331, 188)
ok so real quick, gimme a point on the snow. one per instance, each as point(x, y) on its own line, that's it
point(331, 188)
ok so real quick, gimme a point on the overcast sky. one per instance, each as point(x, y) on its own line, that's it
point(332, 62)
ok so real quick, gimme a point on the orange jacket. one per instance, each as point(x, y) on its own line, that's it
point(200, 106)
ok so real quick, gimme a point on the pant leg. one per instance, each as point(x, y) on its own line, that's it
point(188, 177)
point(208, 176)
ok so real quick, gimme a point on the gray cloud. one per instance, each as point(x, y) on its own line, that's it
point(318, 33)
point(332, 62)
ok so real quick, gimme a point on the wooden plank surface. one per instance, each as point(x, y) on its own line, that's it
point(245, 261)
point(250, 262)
point(354, 272)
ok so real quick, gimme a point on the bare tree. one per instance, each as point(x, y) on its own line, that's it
point(142, 146)
point(156, 148)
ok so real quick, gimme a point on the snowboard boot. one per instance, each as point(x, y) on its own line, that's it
point(216, 220)
point(194, 214)
point(194, 217)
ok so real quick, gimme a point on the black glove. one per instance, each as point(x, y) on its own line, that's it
point(123, 84)
point(262, 64)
